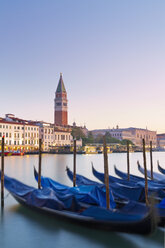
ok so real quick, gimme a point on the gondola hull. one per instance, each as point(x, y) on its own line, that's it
point(145, 226)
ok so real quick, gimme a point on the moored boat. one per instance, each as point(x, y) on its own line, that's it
point(159, 178)
point(128, 219)
point(161, 169)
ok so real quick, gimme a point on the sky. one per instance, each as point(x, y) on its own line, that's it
point(111, 54)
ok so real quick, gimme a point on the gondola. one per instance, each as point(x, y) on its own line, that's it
point(124, 176)
point(87, 187)
point(160, 206)
point(159, 178)
point(161, 170)
point(137, 179)
point(153, 187)
point(90, 194)
point(65, 206)
point(82, 181)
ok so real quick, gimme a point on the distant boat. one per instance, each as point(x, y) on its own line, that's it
point(17, 153)
point(6, 153)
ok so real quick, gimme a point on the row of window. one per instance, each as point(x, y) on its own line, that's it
point(18, 142)
point(19, 127)
point(145, 136)
point(116, 134)
point(49, 131)
point(59, 104)
point(18, 135)
point(57, 137)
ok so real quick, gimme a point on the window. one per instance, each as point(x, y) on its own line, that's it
point(18, 127)
point(9, 127)
point(14, 127)
point(9, 135)
point(6, 135)
point(22, 135)
point(18, 142)
point(22, 128)
point(0, 134)
point(0, 126)
point(14, 142)
point(6, 142)
point(6, 127)
point(9, 142)
point(31, 128)
point(64, 104)
point(58, 104)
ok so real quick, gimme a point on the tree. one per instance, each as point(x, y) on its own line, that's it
point(77, 133)
point(124, 142)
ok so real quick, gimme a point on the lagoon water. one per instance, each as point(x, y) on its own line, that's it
point(24, 228)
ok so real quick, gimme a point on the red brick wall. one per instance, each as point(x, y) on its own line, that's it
point(61, 118)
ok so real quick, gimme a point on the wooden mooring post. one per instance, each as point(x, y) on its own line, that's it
point(2, 172)
point(145, 173)
point(106, 173)
point(74, 163)
point(39, 164)
point(128, 164)
point(151, 161)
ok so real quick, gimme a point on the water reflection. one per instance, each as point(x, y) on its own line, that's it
point(55, 226)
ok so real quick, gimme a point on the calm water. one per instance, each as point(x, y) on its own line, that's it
point(23, 228)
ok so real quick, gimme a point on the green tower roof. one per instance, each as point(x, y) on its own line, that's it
point(61, 87)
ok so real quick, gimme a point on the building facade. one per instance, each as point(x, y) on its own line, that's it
point(19, 134)
point(54, 136)
point(161, 141)
point(133, 134)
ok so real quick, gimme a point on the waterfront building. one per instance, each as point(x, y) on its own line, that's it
point(53, 136)
point(61, 104)
point(133, 134)
point(19, 134)
point(161, 141)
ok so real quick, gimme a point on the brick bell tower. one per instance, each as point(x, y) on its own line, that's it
point(61, 104)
